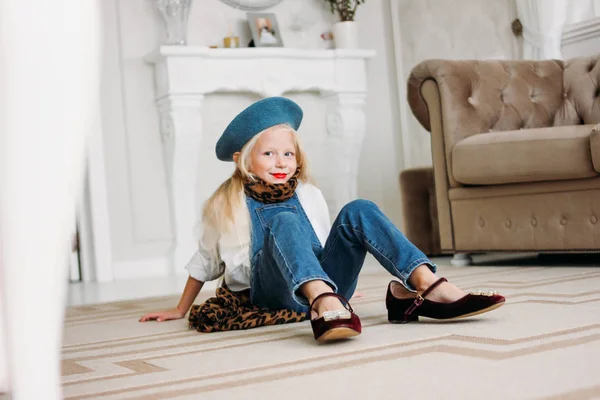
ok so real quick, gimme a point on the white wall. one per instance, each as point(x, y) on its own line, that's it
point(581, 32)
point(458, 29)
point(140, 223)
point(582, 10)
point(381, 160)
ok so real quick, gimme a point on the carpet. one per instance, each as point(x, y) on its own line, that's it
point(543, 344)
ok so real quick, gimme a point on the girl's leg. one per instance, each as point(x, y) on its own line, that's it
point(361, 227)
point(422, 278)
point(287, 274)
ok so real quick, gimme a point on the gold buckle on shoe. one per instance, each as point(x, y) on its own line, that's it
point(419, 300)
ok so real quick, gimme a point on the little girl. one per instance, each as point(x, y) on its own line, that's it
point(267, 229)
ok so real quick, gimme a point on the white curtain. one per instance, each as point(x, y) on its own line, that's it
point(542, 21)
point(49, 79)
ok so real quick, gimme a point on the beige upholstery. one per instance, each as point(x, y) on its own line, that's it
point(516, 158)
point(524, 156)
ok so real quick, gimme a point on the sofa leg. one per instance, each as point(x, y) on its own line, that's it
point(461, 259)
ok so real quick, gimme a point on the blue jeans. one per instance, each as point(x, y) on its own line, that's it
point(288, 258)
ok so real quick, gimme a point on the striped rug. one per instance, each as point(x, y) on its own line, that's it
point(543, 344)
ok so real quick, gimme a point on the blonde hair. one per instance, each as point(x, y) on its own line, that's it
point(219, 211)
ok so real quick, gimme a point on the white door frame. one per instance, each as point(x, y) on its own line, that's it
point(93, 216)
point(93, 212)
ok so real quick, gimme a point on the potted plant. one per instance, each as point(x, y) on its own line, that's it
point(344, 32)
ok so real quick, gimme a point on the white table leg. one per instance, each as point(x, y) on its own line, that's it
point(50, 92)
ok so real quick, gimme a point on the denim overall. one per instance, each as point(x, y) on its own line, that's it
point(286, 252)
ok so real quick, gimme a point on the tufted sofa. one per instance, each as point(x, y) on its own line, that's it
point(516, 152)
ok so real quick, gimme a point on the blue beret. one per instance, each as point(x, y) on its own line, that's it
point(256, 118)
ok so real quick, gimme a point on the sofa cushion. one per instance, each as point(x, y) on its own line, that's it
point(529, 155)
point(595, 146)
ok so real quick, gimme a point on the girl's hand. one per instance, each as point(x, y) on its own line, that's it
point(161, 316)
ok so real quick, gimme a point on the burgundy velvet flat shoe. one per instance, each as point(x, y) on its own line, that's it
point(404, 307)
point(334, 325)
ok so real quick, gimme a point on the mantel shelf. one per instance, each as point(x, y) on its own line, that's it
point(198, 70)
point(257, 52)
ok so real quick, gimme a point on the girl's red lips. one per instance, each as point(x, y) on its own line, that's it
point(279, 176)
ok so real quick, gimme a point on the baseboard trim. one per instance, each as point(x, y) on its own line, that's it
point(151, 268)
point(140, 269)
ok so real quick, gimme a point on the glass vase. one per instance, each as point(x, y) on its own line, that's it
point(175, 13)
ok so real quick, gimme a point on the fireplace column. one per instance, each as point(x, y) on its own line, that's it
point(181, 132)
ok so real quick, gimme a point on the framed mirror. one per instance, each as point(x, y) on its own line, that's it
point(251, 5)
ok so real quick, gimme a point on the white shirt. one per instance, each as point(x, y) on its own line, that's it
point(234, 247)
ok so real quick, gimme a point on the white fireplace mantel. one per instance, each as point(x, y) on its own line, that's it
point(185, 74)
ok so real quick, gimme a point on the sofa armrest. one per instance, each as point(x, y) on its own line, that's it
point(581, 91)
point(595, 147)
point(431, 96)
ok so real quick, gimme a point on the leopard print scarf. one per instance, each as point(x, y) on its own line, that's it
point(232, 311)
point(269, 193)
